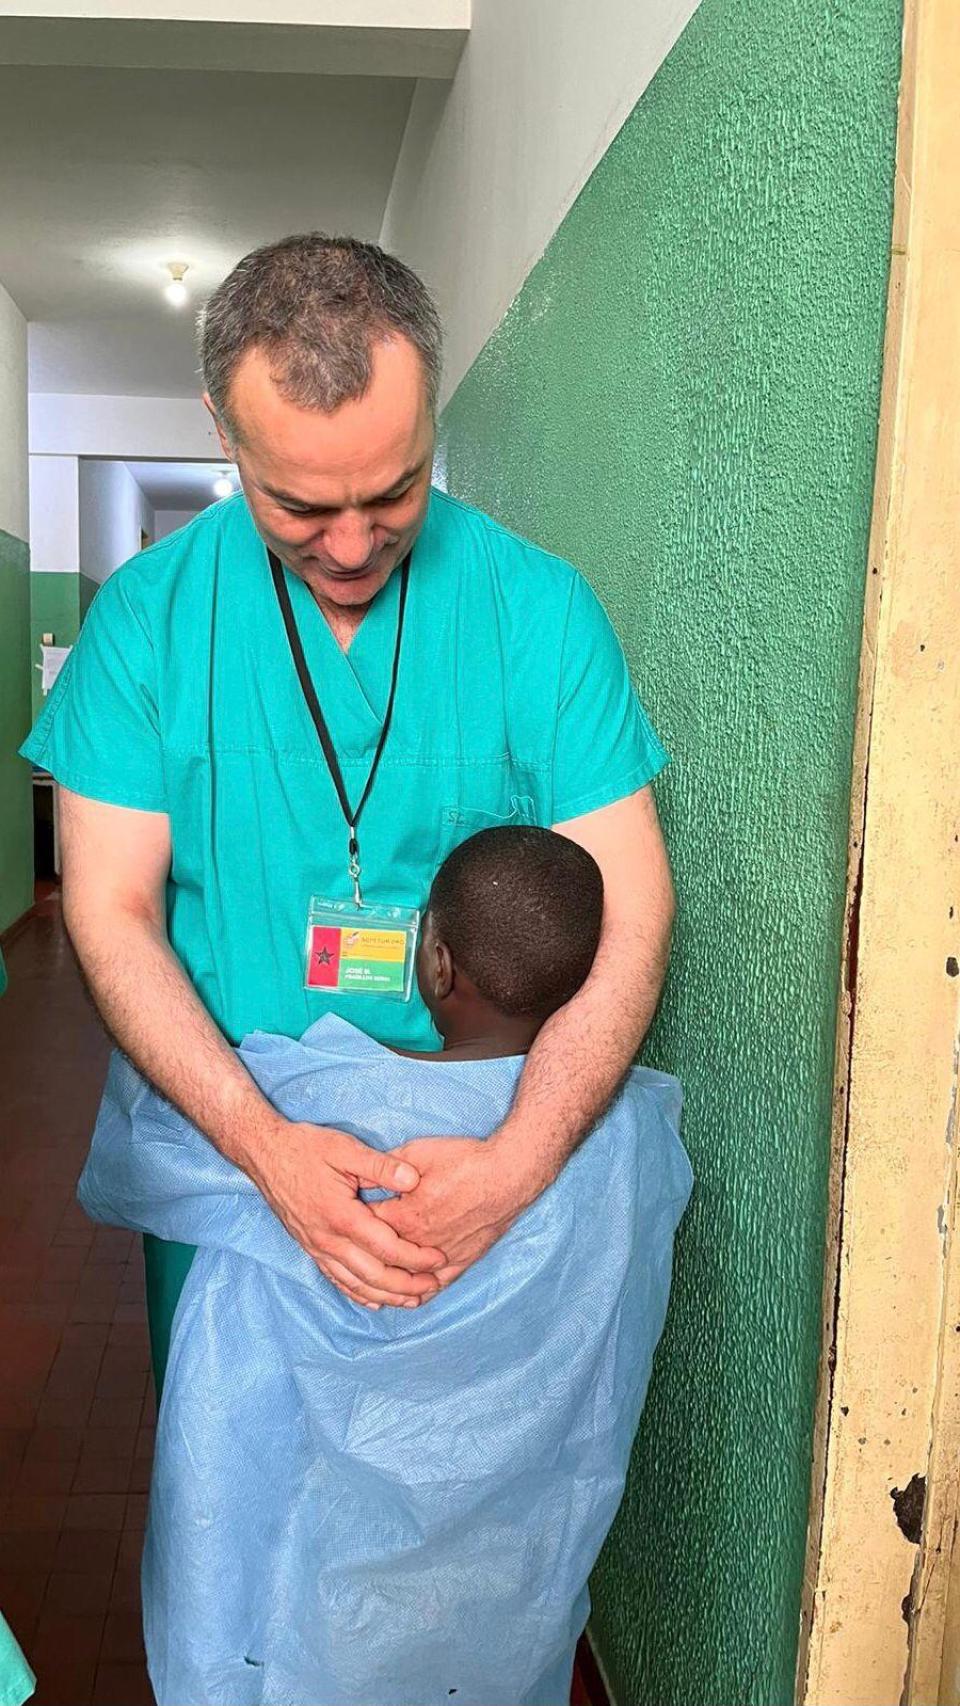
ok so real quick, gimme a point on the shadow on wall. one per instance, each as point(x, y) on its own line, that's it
point(683, 401)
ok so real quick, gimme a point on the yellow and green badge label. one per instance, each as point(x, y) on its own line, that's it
point(357, 961)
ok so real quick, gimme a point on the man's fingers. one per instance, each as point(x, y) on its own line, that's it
point(372, 1272)
point(390, 1213)
point(369, 1165)
point(416, 1258)
point(362, 1227)
point(340, 1277)
point(368, 1295)
point(335, 1274)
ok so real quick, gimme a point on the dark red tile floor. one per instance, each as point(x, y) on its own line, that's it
point(76, 1405)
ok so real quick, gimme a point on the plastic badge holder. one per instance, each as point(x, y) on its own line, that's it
point(361, 950)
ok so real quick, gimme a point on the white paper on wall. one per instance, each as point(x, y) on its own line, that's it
point(54, 658)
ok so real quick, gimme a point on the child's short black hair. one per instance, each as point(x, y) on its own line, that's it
point(520, 909)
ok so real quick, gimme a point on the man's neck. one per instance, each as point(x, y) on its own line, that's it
point(342, 620)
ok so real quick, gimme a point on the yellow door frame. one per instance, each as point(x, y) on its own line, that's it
point(881, 1614)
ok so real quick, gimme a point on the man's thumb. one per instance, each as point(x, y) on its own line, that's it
point(389, 1173)
point(399, 1175)
point(371, 1166)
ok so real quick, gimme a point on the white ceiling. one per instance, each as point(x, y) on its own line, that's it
point(372, 38)
point(109, 174)
point(179, 485)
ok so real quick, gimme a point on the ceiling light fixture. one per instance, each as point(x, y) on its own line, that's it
point(223, 486)
point(176, 291)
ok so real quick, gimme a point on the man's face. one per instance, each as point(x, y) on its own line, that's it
point(341, 497)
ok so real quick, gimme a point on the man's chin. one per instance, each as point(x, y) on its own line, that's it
point(353, 593)
point(349, 591)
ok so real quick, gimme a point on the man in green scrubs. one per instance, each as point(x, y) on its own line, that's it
point(200, 813)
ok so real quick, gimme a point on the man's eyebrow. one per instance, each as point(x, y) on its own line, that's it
point(286, 497)
point(381, 497)
point(404, 480)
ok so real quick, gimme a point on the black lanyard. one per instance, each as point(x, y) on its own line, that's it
point(351, 817)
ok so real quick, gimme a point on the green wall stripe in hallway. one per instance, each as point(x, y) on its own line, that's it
point(683, 400)
point(54, 609)
point(16, 810)
point(88, 592)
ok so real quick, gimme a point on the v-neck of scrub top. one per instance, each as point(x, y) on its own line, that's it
point(352, 686)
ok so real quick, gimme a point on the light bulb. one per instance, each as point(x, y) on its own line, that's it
point(223, 487)
point(176, 291)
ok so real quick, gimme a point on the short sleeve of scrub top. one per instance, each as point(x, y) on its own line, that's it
point(99, 731)
point(605, 745)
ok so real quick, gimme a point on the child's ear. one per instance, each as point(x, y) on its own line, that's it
point(442, 970)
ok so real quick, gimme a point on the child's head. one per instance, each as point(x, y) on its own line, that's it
point(511, 928)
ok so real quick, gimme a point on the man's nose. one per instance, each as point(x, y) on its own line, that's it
point(349, 540)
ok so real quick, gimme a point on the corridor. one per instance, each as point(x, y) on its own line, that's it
point(76, 1404)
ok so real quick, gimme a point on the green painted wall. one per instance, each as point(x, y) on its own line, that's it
point(58, 605)
point(683, 400)
point(54, 609)
point(88, 592)
point(16, 810)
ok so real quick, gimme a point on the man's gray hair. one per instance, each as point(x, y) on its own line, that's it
point(316, 306)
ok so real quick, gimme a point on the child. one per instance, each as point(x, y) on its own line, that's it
point(401, 1507)
point(510, 933)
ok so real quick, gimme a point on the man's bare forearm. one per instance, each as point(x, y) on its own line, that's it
point(116, 861)
point(581, 1055)
point(579, 1059)
point(153, 1012)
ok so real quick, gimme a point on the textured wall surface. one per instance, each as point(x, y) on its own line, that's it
point(683, 399)
point(16, 812)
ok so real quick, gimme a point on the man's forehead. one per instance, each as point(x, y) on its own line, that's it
point(263, 390)
point(307, 473)
point(368, 443)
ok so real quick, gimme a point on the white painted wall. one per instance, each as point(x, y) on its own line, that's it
point(488, 169)
point(14, 494)
point(54, 514)
point(168, 520)
point(73, 424)
point(113, 509)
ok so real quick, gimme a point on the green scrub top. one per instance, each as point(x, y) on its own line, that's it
point(17, 1681)
point(514, 705)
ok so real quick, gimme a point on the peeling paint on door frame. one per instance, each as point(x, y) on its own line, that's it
point(881, 1611)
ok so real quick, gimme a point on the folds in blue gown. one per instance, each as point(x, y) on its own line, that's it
point(398, 1508)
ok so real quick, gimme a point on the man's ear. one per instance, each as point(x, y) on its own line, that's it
point(225, 444)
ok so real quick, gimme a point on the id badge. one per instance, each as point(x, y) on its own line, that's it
point(361, 950)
